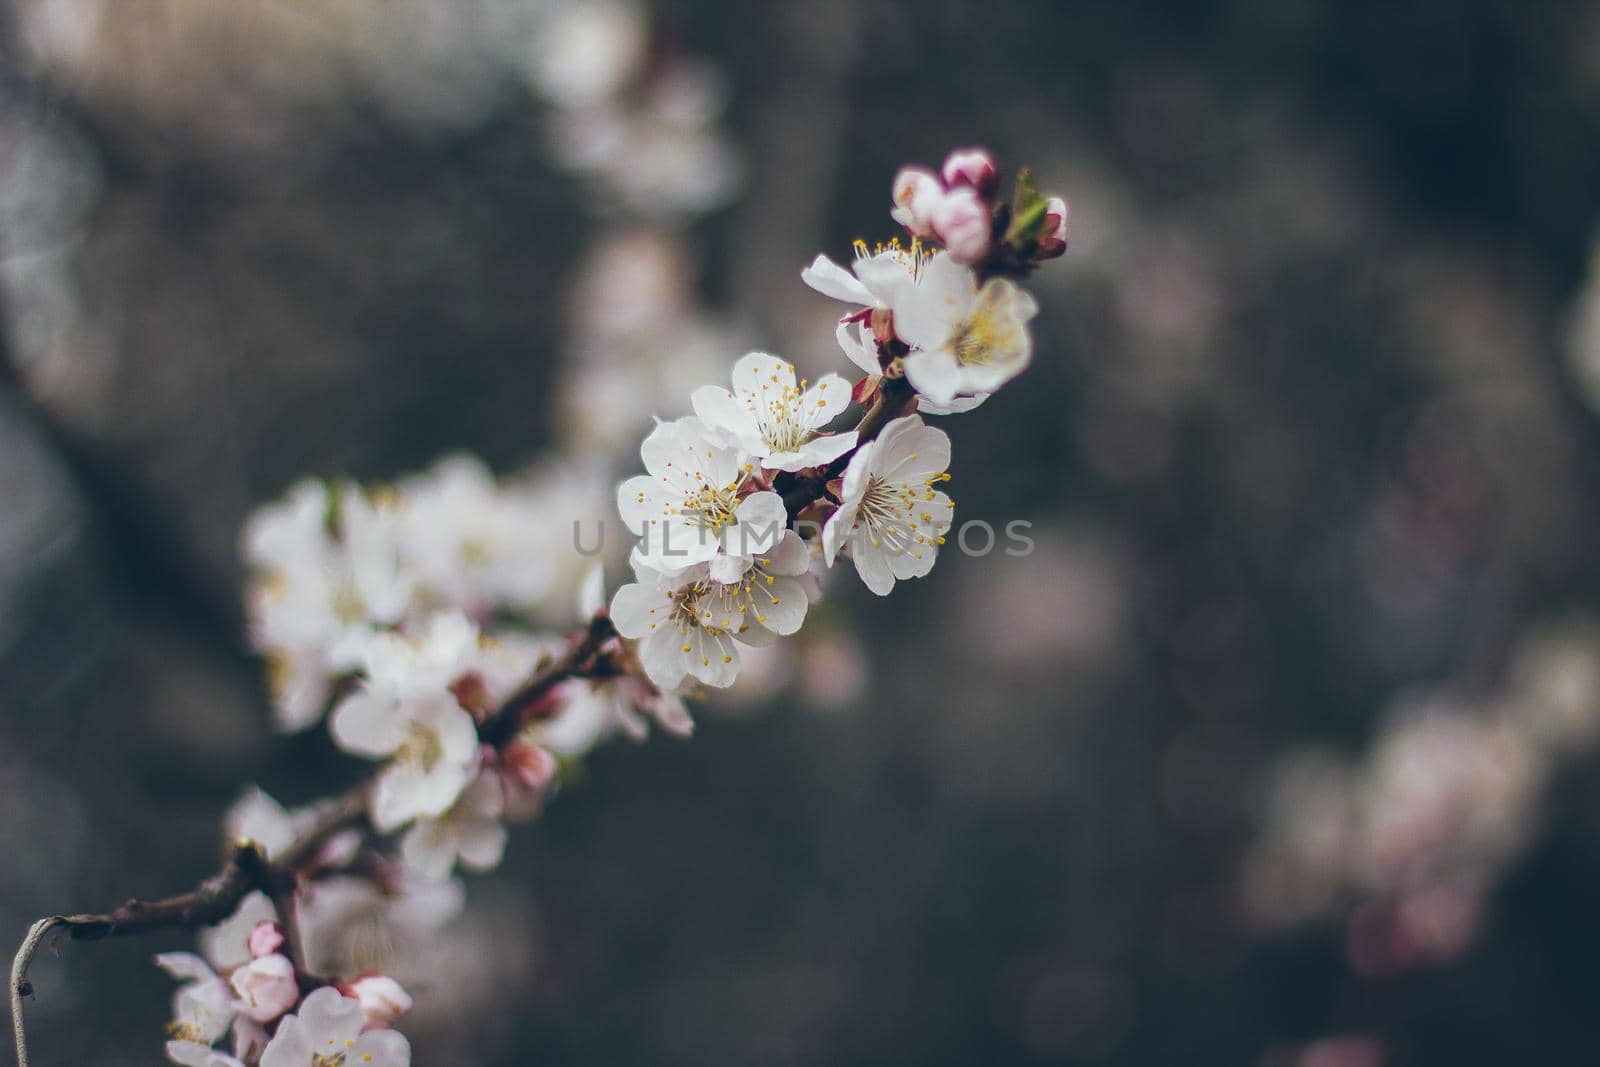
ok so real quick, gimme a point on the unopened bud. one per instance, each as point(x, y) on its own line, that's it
point(916, 194)
point(266, 987)
point(1054, 241)
point(382, 999)
point(964, 223)
point(265, 939)
point(974, 167)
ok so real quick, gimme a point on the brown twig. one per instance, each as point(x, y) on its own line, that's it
point(248, 869)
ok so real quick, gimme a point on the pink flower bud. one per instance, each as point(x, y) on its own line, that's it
point(528, 766)
point(974, 167)
point(266, 988)
point(383, 1000)
point(265, 939)
point(917, 194)
point(964, 224)
point(1054, 241)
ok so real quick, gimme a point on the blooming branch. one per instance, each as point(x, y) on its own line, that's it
point(410, 617)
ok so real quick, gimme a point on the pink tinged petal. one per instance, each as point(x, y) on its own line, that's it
point(832, 280)
point(916, 193)
point(935, 374)
point(971, 166)
point(382, 1000)
point(388, 1048)
point(872, 566)
point(226, 944)
point(964, 223)
point(367, 725)
point(266, 988)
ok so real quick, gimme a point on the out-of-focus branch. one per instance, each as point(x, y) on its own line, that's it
point(248, 868)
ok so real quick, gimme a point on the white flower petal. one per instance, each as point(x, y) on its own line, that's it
point(832, 280)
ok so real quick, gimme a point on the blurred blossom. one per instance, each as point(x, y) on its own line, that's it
point(834, 670)
point(1343, 1051)
point(1404, 845)
point(588, 51)
point(49, 182)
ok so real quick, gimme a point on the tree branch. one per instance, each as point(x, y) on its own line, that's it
point(248, 869)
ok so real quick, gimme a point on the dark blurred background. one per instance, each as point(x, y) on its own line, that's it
point(1275, 752)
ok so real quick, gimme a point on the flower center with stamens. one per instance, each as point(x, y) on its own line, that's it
point(348, 607)
point(782, 425)
point(711, 508)
point(888, 513)
point(986, 332)
point(912, 258)
point(421, 747)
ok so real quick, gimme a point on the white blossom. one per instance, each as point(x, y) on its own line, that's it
point(916, 192)
point(257, 817)
point(327, 1032)
point(966, 340)
point(266, 987)
point(890, 516)
point(351, 925)
point(317, 597)
point(473, 543)
point(202, 1008)
point(775, 420)
point(227, 945)
point(686, 623)
point(382, 1000)
point(874, 279)
point(470, 833)
point(688, 510)
point(405, 712)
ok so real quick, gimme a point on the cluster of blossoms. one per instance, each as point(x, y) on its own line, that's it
point(411, 617)
point(631, 116)
point(1403, 846)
